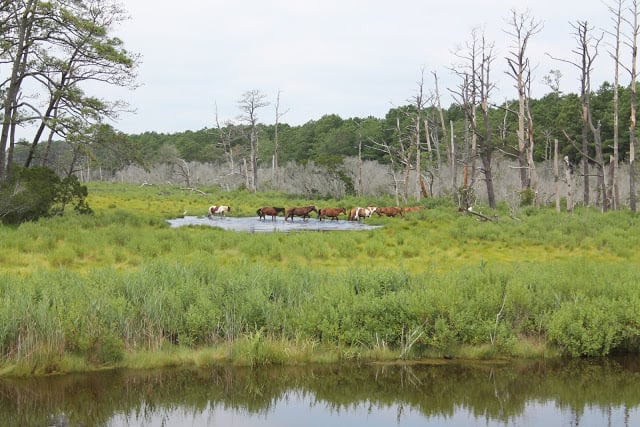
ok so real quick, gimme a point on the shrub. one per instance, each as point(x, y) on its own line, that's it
point(586, 328)
point(37, 192)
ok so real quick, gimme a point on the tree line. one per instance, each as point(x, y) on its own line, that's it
point(330, 140)
point(60, 46)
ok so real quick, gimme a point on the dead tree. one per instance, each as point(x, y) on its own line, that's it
point(443, 126)
point(419, 101)
point(632, 42)
point(475, 92)
point(568, 173)
point(225, 137)
point(466, 97)
point(613, 195)
point(587, 51)
point(276, 141)
point(556, 174)
point(522, 28)
point(249, 104)
point(400, 156)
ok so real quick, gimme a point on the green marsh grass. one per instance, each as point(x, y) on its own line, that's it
point(122, 288)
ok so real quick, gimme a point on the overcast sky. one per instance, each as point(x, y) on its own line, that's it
point(354, 58)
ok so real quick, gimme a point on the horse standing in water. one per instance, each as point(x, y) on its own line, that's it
point(269, 210)
point(356, 213)
point(331, 213)
point(218, 210)
point(300, 211)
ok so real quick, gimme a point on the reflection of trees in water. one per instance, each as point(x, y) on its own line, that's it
point(485, 390)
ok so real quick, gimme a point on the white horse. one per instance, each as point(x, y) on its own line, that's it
point(218, 210)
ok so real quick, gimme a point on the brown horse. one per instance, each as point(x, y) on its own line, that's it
point(303, 211)
point(269, 210)
point(413, 208)
point(331, 213)
point(389, 211)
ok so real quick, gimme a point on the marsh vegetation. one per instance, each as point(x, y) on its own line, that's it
point(123, 288)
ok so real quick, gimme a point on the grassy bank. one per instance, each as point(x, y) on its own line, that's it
point(121, 288)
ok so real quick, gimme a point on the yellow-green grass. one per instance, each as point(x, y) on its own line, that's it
point(129, 226)
point(122, 288)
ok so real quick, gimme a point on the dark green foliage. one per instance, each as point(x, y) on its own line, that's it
point(32, 193)
point(330, 139)
point(28, 194)
point(527, 196)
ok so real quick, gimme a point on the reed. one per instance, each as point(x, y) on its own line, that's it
point(80, 292)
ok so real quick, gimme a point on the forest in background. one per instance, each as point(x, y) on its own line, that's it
point(53, 52)
point(321, 158)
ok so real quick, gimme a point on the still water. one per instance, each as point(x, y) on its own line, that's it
point(253, 225)
point(559, 393)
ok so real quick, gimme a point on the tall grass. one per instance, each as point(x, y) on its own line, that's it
point(96, 290)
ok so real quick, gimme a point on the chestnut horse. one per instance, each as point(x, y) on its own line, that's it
point(300, 211)
point(389, 211)
point(218, 210)
point(269, 210)
point(356, 213)
point(331, 213)
point(413, 208)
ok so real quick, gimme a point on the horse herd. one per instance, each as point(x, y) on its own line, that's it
point(353, 214)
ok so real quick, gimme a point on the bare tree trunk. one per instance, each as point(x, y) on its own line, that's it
point(614, 191)
point(474, 145)
point(254, 159)
point(225, 136)
point(452, 160)
point(587, 58)
point(531, 164)
point(19, 61)
point(601, 185)
point(419, 101)
point(249, 104)
point(634, 108)
point(418, 158)
point(523, 27)
point(568, 174)
point(556, 176)
point(585, 156)
point(276, 142)
point(442, 123)
point(587, 50)
point(245, 171)
point(359, 178)
point(611, 178)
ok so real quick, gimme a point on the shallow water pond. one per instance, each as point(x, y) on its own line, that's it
point(254, 225)
point(572, 393)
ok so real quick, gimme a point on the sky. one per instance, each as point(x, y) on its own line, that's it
point(353, 58)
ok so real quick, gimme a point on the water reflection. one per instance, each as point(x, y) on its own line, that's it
point(576, 393)
point(253, 225)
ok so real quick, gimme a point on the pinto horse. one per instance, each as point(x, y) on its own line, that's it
point(331, 213)
point(218, 210)
point(269, 210)
point(303, 211)
point(356, 213)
